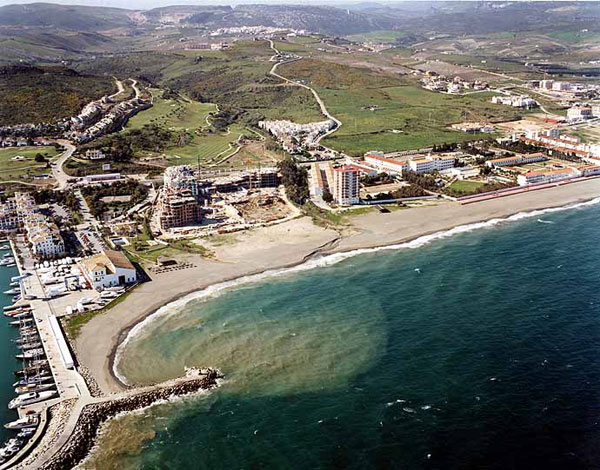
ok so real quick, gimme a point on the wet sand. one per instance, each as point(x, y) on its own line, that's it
point(291, 243)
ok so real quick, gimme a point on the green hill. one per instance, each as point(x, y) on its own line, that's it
point(36, 94)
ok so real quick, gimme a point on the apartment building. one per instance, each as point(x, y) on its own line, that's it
point(346, 189)
point(579, 113)
point(389, 165)
point(179, 209)
point(43, 235)
point(9, 217)
point(431, 163)
point(536, 177)
point(516, 160)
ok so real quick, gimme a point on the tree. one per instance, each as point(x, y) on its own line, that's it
point(295, 180)
point(327, 196)
point(39, 158)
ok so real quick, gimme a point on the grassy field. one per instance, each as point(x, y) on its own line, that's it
point(24, 169)
point(385, 112)
point(240, 79)
point(463, 188)
point(406, 117)
point(145, 253)
point(192, 118)
point(173, 114)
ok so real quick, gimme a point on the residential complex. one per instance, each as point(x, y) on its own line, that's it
point(579, 112)
point(549, 176)
point(420, 164)
point(516, 160)
point(553, 140)
point(520, 101)
point(293, 137)
point(43, 235)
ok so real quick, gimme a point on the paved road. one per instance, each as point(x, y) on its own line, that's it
point(57, 170)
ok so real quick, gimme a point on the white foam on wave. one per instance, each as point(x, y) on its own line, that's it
point(215, 290)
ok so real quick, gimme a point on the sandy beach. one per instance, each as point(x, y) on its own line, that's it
point(288, 244)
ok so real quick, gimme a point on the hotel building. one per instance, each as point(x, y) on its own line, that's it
point(346, 190)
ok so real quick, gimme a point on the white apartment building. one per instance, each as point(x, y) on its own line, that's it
point(579, 113)
point(551, 176)
point(346, 190)
point(431, 163)
point(516, 160)
point(386, 164)
point(46, 242)
point(42, 234)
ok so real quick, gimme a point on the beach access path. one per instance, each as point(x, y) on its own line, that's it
point(291, 243)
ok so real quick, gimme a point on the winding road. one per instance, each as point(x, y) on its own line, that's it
point(57, 170)
point(324, 110)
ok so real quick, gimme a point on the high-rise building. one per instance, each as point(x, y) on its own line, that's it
point(346, 190)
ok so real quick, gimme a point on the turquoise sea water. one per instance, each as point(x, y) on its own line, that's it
point(481, 350)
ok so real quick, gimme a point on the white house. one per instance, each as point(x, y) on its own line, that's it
point(109, 269)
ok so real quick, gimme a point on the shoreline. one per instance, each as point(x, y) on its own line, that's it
point(124, 332)
point(396, 245)
point(386, 234)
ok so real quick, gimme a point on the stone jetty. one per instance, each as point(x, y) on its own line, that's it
point(92, 415)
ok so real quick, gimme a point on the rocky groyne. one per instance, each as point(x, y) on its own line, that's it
point(95, 414)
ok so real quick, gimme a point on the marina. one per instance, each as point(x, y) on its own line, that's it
point(25, 350)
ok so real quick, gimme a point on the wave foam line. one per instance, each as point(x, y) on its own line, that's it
point(215, 290)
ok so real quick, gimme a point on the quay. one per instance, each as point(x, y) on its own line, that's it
point(69, 383)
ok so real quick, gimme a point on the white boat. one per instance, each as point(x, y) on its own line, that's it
point(33, 388)
point(13, 291)
point(34, 379)
point(5, 247)
point(30, 398)
point(5, 261)
point(8, 255)
point(14, 284)
point(30, 353)
point(26, 422)
point(10, 448)
point(31, 345)
point(26, 433)
point(11, 265)
point(22, 315)
point(27, 321)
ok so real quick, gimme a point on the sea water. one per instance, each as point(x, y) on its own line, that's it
point(8, 350)
point(480, 350)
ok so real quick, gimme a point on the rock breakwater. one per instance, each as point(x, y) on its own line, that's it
point(95, 414)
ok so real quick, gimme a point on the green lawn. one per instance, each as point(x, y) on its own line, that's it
point(463, 188)
point(173, 114)
point(24, 169)
point(191, 117)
